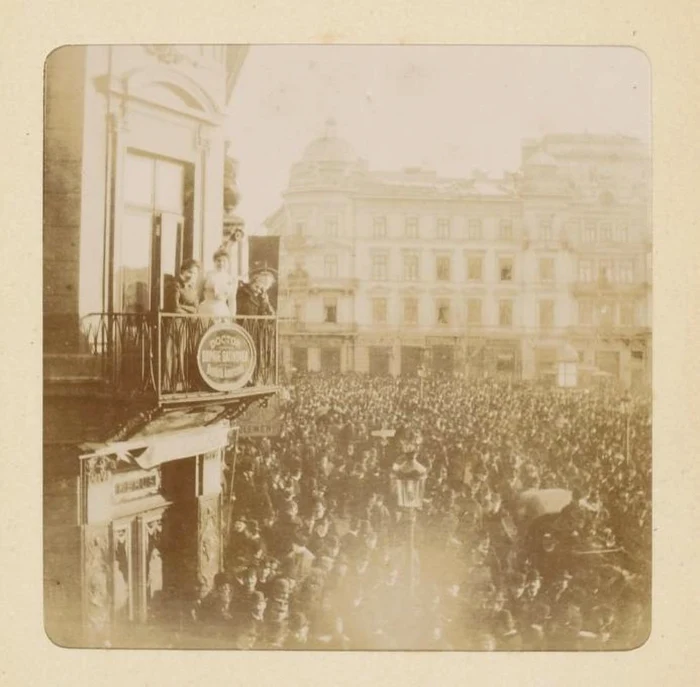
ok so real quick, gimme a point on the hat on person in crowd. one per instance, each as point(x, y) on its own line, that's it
point(517, 579)
point(298, 621)
point(533, 575)
point(220, 579)
point(548, 542)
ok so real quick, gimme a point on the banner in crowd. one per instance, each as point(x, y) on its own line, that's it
point(259, 421)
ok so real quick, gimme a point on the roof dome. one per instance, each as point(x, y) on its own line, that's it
point(329, 148)
point(542, 159)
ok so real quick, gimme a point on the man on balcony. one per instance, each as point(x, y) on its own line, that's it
point(252, 299)
point(252, 302)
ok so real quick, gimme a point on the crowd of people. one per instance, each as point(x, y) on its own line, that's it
point(319, 556)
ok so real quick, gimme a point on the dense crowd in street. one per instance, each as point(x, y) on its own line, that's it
point(317, 554)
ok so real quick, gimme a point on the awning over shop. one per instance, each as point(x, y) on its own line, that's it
point(150, 451)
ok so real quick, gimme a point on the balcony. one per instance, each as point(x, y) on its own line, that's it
point(156, 357)
point(598, 288)
point(290, 326)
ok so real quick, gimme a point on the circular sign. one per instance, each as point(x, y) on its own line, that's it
point(226, 357)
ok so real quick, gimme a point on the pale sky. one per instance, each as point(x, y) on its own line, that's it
point(451, 108)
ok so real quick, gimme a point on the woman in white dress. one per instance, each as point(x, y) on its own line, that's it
point(219, 288)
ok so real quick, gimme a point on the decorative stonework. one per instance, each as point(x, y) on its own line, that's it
point(209, 538)
point(202, 139)
point(97, 580)
point(99, 468)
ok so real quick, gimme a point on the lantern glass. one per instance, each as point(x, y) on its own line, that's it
point(410, 485)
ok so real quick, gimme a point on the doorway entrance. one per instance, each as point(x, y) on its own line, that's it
point(330, 360)
point(411, 358)
point(379, 357)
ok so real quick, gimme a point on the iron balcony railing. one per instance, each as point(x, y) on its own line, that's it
point(142, 354)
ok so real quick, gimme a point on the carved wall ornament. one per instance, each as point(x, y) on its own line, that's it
point(97, 579)
point(202, 139)
point(209, 544)
point(99, 468)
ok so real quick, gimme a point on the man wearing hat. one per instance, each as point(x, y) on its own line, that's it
point(252, 298)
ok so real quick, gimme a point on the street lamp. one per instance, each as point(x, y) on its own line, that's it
point(421, 375)
point(626, 410)
point(409, 478)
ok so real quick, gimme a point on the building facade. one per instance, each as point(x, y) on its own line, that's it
point(387, 272)
point(136, 181)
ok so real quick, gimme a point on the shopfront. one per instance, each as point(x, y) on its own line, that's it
point(149, 533)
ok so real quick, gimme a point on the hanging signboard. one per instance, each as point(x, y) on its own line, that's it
point(226, 357)
point(261, 421)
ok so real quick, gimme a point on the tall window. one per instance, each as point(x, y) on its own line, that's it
point(606, 272)
point(546, 314)
point(621, 232)
point(606, 314)
point(585, 313)
point(298, 311)
point(330, 309)
point(627, 318)
point(505, 269)
point(474, 311)
point(606, 232)
point(443, 228)
point(505, 229)
point(411, 228)
point(546, 269)
point(589, 231)
point(474, 267)
point(331, 227)
point(442, 310)
point(410, 311)
point(380, 267)
point(379, 311)
point(585, 271)
point(411, 267)
point(330, 266)
point(625, 271)
point(156, 232)
point(505, 312)
point(379, 227)
point(474, 229)
point(442, 267)
point(545, 228)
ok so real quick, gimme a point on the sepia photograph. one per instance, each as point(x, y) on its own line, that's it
point(347, 347)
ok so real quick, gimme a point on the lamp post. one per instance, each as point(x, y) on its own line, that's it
point(421, 376)
point(384, 435)
point(410, 478)
point(626, 408)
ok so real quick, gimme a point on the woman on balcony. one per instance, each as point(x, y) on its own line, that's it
point(219, 288)
point(182, 298)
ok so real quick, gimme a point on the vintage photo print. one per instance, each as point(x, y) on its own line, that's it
point(347, 347)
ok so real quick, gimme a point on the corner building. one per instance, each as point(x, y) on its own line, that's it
point(134, 442)
point(385, 272)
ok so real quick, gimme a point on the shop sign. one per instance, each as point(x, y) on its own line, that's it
point(226, 357)
point(135, 485)
point(260, 421)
